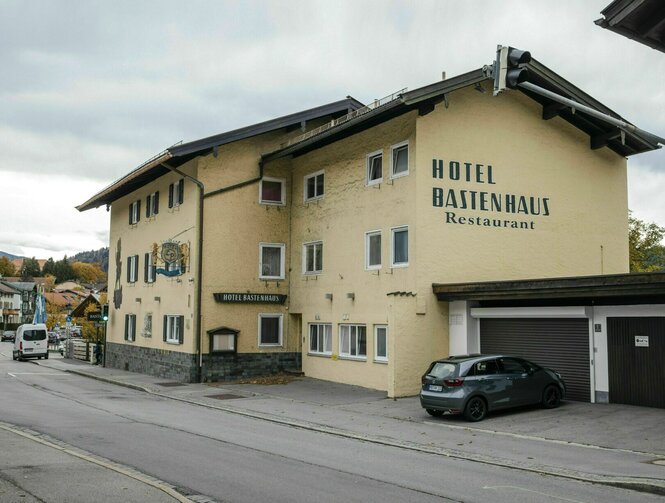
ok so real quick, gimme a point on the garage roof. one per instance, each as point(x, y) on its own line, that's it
point(638, 288)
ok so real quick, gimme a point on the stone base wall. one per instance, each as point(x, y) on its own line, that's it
point(231, 367)
point(156, 362)
point(182, 366)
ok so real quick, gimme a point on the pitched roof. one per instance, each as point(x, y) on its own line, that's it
point(177, 155)
point(423, 99)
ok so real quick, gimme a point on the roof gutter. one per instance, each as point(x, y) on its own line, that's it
point(622, 125)
point(94, 201)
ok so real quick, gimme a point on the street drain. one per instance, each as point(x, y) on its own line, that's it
point(170, 384)
point(224, 396)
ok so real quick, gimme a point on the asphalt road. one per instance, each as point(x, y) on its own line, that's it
point(227, 457)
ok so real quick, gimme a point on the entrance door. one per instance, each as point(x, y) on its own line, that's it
point(636, 360)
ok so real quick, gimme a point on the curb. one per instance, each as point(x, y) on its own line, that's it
point(646, 485)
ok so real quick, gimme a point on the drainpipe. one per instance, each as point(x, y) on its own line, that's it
point(199, 273)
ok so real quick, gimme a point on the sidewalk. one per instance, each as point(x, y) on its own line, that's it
point(36, 469)
point(608, 444)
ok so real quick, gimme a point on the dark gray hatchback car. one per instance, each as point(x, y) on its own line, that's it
point(474, 385)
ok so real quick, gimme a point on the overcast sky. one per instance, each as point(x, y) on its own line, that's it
point(91, 89)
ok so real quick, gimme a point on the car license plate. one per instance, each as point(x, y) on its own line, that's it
point(435, 387)
point(27, 350)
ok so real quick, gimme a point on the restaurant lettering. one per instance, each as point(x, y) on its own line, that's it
point(514, 209)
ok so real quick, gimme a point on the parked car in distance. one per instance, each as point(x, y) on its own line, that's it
point(8, 335)
point(474, 385)
point(31, 342)
point(53, 337)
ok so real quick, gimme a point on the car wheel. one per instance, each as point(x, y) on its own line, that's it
point(46, 356)
point(551, 397)
point(14, 357)
point(475, 410)
point(435, 413)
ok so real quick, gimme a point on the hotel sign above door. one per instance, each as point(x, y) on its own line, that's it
point(250, 298)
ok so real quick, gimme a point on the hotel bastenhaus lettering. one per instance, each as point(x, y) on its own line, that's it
point(313, 240)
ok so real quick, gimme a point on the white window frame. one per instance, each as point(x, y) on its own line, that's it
point(393, 232)
point(151, 203)
point(282, 182)
point(152, 270)
point(349, 354)
point(325, 338)
point(370, 157)
point(282, 260)
point(134, 212)
point(392, 159)
point(377, 357)
point(311, 246)
point(280, 317)
point(368, 235)
point(130, 327)
point(316, 196)
point(133, 269)
point(172, 328)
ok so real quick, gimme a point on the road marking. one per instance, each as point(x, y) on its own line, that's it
point(103, 463)
point(517, 488)
point(540, 439)
point(14, 374)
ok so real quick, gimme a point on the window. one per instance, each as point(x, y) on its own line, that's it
point(353, 341)
point(400, 251)
point(272, 191)
point(149, 269)
point(373, 250)
point(176, 193)
point(174, 328)
point(152, 205)
point(400, 159)
point(270, 329)
point(381, 343)
point(132, 268)
point(512, 366)
point(130, 327)
point(320, 338)
point(375, 168)
point(314, 186)
point(271, 261)
point(134, 212)
point(313, 258)
point(147, 325)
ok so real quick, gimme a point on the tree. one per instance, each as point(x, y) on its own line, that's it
point(88, 273)
point(646, 251)
point(30, 268)
point(49, 267)
point(63, 270)
point(7, 268)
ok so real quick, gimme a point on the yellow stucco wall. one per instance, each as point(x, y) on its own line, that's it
point(177, 295)
point(585, 192)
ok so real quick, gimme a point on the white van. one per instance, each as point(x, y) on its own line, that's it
point(31, 342)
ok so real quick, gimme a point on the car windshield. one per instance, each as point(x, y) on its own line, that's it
point(441, 370)
point(34, 335)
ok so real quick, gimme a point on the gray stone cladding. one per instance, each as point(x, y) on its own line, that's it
point(156, 362)
point(234, 366)
point(181, 367)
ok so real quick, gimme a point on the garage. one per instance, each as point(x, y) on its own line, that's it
point(559, 344)
point(636, 360)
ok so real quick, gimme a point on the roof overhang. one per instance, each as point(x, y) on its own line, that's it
point(639, 20)
point(640, 288)
point(177, 155)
